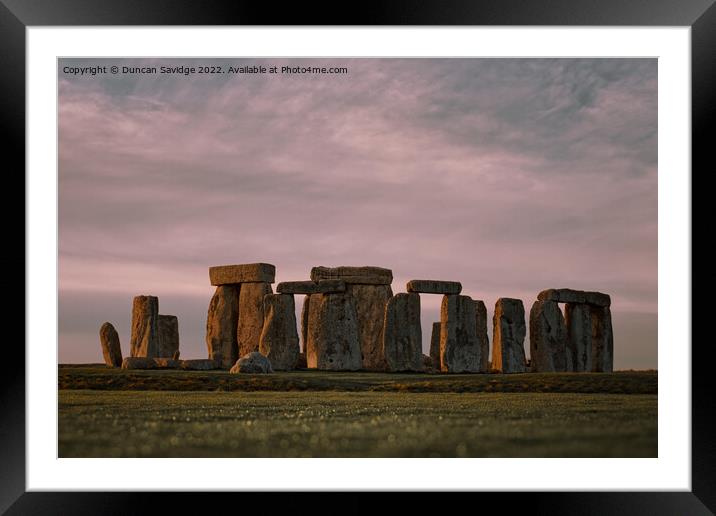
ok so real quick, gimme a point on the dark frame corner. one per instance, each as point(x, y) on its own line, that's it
point(17, 15)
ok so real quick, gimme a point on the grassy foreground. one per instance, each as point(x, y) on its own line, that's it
point(99, 377)
point(105, 412)
point(355, 424)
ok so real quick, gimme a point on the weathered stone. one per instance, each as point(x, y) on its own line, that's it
point(149, 363)
point(251, 316)
point(199, 364)
point(301, 362)
point(333, 341)
point(244, 273)
point(360, 275)
point(508, 337)
point(167, 363)
point(579, 337)
point(568, 295)
point(144, 340)
point(139, 363)
point(548, 338)
point(221, 325)
point(305, 312)
point(402, 337)
point(370, 301)
point(252, 363)
point(434, 286)
point(279, 337)
point(111, 350)
point(602, 340)
point(482, 338)
point(427, 364)
point(311, 287)
point(168, 335)
point(460, 347)
point(435, 345)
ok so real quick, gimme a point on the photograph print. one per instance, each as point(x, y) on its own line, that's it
point(357, 257)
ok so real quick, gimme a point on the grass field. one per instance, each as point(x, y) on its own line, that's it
point(113, 413)
point(99, 377)
point(355, 424)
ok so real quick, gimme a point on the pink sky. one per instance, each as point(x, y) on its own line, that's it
point(509, 175)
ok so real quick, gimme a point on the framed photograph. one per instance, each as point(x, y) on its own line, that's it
point(441, 249)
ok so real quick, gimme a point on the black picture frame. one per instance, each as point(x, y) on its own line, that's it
point(17, 15)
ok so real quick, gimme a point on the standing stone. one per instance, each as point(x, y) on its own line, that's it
point(221, 325)
point(305, 311)
point(370, 302)
point(333, 341)
point(602, 340)
point(508, 337)
point(548, 338)
point(251, 316)
point(144, 340)
point(109, 340)
point(402, 338)
point(168, 336)
point(435, 345)
point(579, 337)
point(427, 364)
point(482, 338)
point(460, 347)
point(279, 337)
point(301, 362)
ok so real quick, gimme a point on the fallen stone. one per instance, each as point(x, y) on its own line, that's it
point(221, 326)
point(301, 363)
point(602, 340)
point(311, 287)
point(508, 337)
point(579, 337)
point(567, 295)
point(144, 341)
point(548, 338)
point(305, 311)
point(199, 364)
point(167, 363)
point(252, 363)
point(482, 338)
point(435, 345)
point(279, 336)
point(251, 316)
point(111, 350)
point(168, 335)
point(402, 337)
point(460, 347)
point(434, 286)
point(150, 363)
point(370, 301)
point(359, 275)
point(333, 342)
point(139, 363)
point(244, 273)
